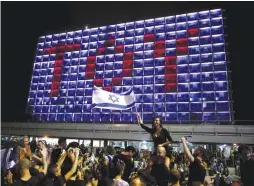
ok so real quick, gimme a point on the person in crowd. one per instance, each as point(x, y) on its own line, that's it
point(174, 178)
point(119, 170)
point(56, 153)
point(142, 178)
point(24, 148)
point(160, 167)
point(33, 145)
point(160, 135)
point(42, 145)
point(109, 152)
point(197, 171)
point(69, 160)
point(107, 182)
point(247, 166)
point(25, 175)
point(90, 179)
point(56, 177)
point(126, 157)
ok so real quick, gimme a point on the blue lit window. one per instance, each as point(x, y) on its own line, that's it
point(192, 24)
point(182, 69)
point(221, 85)
point(193, 68)
point(183, 87)
point(217, 30)
point(192, 16)
point(220, 76)
point(181, 18)
point(181, 26)
point(193, 41)
point(195, 87)
point(109, 74)
point(170, 27)
point(170, 19)
point(139, 24)
point(130, 25)
point(183, 116)
point(129, 33)
point(183, 78)
point(194, 50)
point(204, 15)
point(183, 97)
point(157, 62)
point(208, 96)
point(205, 40)
point(139, 32)
point(182, 60)
point(149, 46)
point(147, 107)
point(160, 29)
point(219, 56)
point(195, 97)
point(149, 30)
point(181, 34)
point(183, 107)
point(222, 95)
point(207, 86)
point(120, 27)
point(216, 13)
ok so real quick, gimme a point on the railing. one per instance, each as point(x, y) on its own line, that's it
point(208, 133)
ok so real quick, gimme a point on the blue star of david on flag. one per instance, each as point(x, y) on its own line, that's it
point(113, 98)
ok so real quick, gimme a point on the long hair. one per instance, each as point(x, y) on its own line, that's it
point(155, 117)
point(151, 136)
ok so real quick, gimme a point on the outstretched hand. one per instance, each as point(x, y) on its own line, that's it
point(43, 152)
point(183, 139)
point(139, 119)
point(76, 152)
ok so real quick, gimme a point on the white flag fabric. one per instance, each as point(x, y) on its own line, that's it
point(109, 100)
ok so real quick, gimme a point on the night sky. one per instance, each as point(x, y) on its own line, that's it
point(24, 22)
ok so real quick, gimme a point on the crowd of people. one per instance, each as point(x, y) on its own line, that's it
point(73, 164)
point(36, 164)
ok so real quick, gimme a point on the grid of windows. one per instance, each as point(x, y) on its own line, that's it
point(176, 66)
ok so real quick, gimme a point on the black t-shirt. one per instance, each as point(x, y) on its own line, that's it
point(56, 153)
point(67, 165)
point(248, 173)
point(196, 172)
point(33, 181)
point(129, 165)
point(59, 181)
point(70, 183)
point(56, 181)
point(162, 138)
point(48, 182)
point(161, 173)
point(79, 183)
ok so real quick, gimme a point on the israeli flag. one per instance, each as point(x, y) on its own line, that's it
point(108, 100)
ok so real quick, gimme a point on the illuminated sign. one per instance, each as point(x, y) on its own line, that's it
point(176, 66)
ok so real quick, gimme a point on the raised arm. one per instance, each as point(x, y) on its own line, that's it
point(27, 151)
point(187, 151)
point(61, 159)
point(68, 175)
point(37, 158)
point(140, 122)
point(44, 161)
